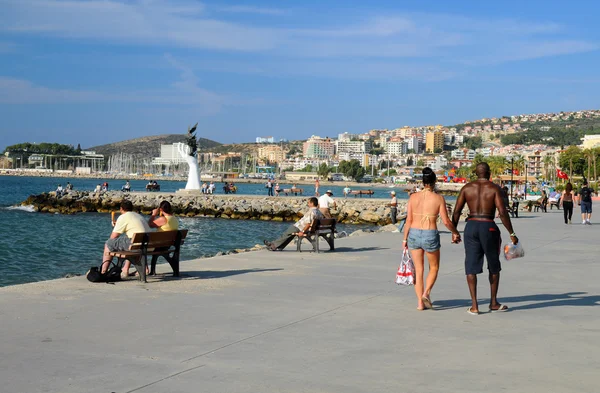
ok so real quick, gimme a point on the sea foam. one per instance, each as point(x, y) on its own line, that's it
point(28, 208)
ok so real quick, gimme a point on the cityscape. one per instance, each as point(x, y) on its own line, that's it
point(378, 151)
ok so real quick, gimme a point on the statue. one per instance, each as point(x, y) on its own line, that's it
point(190, 154)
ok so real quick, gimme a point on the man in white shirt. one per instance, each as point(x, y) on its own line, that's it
point(128, 224)
point(326, 202)
point(300, 228)
point(393, 207)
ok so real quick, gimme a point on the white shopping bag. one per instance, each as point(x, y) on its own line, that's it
point(406, 270)
point(512, 251)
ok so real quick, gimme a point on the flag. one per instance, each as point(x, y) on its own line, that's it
point(561, 175)
point(516, 172)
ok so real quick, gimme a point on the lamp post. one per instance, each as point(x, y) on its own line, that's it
point(526, 181)
point(512, 169)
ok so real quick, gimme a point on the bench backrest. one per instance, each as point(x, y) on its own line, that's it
point(157, 239)
point(326, 224)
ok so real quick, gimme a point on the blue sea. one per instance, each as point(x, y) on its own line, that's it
point(40, 246)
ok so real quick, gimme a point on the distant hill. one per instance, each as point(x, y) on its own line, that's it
point(149, 146)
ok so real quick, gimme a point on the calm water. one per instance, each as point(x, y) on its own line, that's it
point(35, 246)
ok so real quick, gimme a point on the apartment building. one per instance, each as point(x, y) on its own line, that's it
point(317, 147)
point(343, 146)
point(434, 141)
point(271, 153)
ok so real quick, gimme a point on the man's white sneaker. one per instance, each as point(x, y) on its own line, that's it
point(584, 222)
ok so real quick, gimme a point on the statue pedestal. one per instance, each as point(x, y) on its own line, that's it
point(187, 192)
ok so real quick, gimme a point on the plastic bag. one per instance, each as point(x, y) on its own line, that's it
point(406, 270)
point(512, 251)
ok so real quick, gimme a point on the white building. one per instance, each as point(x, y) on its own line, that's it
point(343, 146)
point(265, 139)
point(169, 154)
point(412, 143)
point(347, 137)
point(397, 148)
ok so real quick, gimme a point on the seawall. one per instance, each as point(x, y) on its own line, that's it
point(243, 207)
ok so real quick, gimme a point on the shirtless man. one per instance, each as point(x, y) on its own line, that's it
point(481, 234)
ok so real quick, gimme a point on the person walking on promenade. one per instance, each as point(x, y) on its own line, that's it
point(585, 200)
point(422, 238)
point(393, 207)
point(277, 189)
point(269, 187)
point(566, 200)
point(317, 188)
point(300, 228)
point(482, 235)
point(326, 202)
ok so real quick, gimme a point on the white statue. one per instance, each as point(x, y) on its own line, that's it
point(190, 154)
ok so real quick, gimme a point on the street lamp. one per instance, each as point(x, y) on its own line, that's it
point(526, 180)
point(512, 169)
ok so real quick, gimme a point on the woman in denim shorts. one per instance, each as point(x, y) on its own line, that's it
point(421, 235)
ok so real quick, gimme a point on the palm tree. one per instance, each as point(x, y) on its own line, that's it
point(548, 166)
point(519, 163)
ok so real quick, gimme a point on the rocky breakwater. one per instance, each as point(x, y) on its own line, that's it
point(243, 207)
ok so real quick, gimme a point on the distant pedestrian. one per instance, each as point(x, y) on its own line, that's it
point(566, 200)
point(585, 200)
point(277, 189)
point(269, 187)
point(326, 202)
point(204, 188)
point(317, 188)
point(393, 207)
point(482, 235)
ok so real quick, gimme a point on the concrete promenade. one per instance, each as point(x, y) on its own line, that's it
point(333, 322)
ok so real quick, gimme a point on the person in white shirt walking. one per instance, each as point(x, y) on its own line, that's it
point(326, 202)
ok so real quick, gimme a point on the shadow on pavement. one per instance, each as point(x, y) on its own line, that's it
point(208, 274)
point(536, 301)
point(360, 249)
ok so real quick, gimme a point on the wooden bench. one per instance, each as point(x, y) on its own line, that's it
point(156, 244)
point(294, 191)
point(324, 228)
point(152, 187)
point(362, 192)
point(543, 204)
point(554, 202)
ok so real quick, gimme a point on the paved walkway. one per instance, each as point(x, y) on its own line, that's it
point(333, 322)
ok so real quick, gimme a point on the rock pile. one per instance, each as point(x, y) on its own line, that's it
point(243, 207)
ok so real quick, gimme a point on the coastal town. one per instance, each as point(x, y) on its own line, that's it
point(378, 155)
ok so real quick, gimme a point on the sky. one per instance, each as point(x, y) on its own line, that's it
point(100, 71)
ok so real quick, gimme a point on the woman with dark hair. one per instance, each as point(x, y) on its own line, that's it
point(566, 200)
point(163, 219)
point(422, 238)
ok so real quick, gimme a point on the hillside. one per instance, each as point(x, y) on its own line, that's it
point(149, 146)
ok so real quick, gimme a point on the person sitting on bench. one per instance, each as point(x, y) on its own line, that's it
point(127, 225)
point(163, 219)
point(299, 228)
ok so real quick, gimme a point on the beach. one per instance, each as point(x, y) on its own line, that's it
point(305, 322)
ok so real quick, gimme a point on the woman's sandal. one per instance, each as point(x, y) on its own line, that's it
point(427, 302)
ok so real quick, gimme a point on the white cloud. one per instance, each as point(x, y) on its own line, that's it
point(140, 21)
point(245, 9)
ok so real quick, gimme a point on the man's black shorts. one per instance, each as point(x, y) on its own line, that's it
point(482, 238)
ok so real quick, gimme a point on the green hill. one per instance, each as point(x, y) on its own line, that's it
point(149, 146)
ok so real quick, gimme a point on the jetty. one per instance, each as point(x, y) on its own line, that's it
point(230, 206)
point(329, 322)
